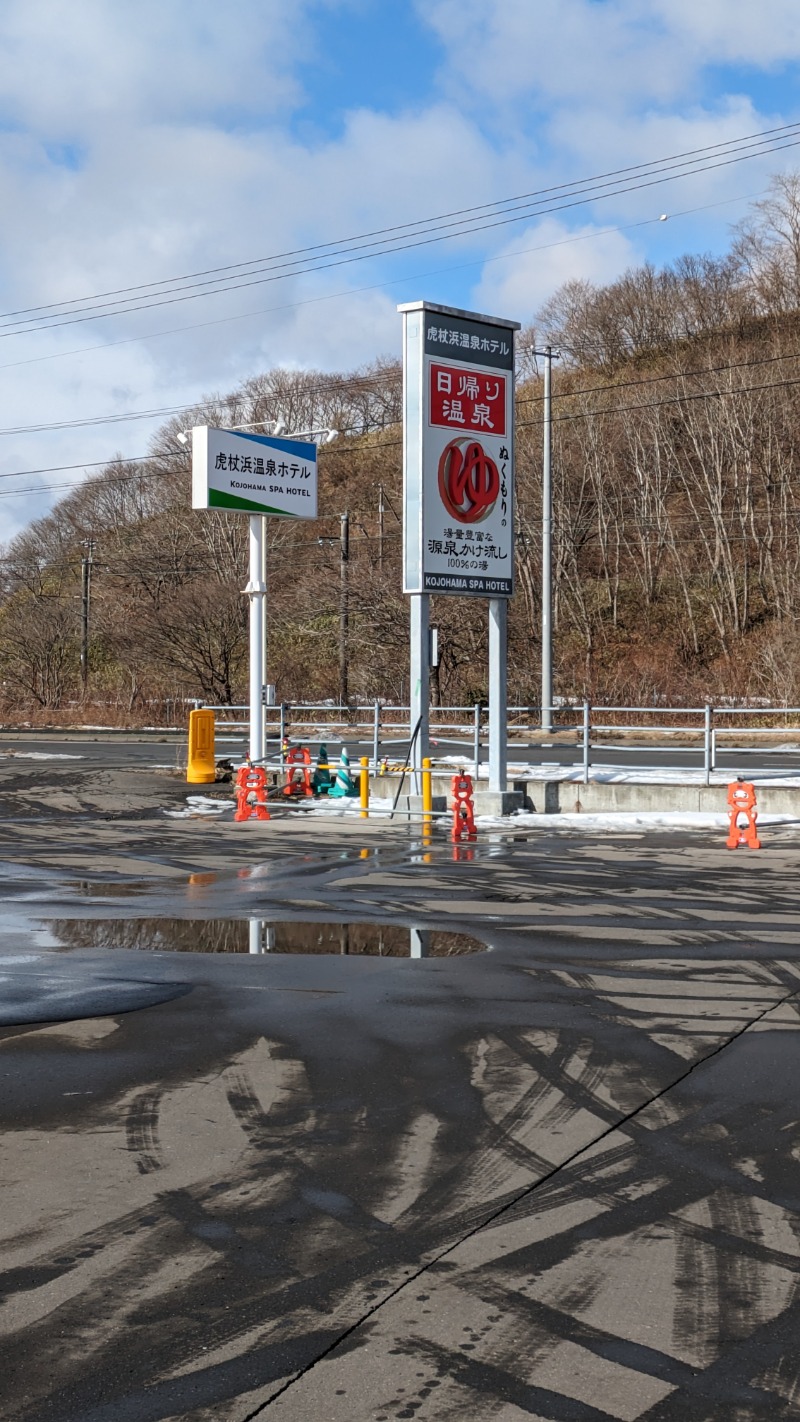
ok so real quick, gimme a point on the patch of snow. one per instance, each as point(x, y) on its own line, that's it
point(601, 774)
point(38, 755)
point(624, 820)
point(200, 805)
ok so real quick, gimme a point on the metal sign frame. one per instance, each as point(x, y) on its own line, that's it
point(458, 475)
point(458, 455)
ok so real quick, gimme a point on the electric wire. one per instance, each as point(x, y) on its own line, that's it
point(432, 234)
point(784, 130)
point(611, 410)
point(346, 383)
point(363, 384)
point(347, 292)
point(694, 373)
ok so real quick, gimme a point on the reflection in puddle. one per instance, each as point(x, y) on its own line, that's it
point(113, 889)
point(227, 935)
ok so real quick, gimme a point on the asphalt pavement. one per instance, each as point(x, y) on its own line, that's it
point(555, 1179)
point(168, 751)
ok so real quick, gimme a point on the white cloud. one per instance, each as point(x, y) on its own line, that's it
point(732, 31)
point(541, 259)
point(616, 53)
point(577, 50)
point(68, 68)
point(137, 142)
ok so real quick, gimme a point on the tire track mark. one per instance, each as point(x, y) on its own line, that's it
point(558, 1402)
point(141, 1130)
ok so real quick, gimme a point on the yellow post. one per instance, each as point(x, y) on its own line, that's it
point(427, 793)
point(364, 812)
point(200, 768)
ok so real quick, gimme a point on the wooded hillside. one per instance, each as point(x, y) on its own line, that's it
point(676, 519)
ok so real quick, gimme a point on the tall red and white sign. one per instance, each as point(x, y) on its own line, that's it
point(458, 452)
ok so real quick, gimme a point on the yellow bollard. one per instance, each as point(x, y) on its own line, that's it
point(200, 768)
point(427, 794)
point(364, 812)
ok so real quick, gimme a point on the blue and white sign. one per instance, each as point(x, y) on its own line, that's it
point(253, 474)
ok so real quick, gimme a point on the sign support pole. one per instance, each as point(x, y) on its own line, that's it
point(420, 680)
point(257, 592)
point(498, 693)
point(264, 635)
point(547, 547)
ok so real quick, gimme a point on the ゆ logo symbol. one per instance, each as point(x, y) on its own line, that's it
point(468, 480)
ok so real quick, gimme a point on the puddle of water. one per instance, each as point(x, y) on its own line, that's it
point(226, 935)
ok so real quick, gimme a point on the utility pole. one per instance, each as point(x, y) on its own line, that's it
point(547, 546)
point(344, 609)
point(86, 593)
point(381, 511)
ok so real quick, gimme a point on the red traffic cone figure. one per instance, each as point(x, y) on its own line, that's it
point(251, 780)
point(742, 801)
point(463, 809)
point(298, 772)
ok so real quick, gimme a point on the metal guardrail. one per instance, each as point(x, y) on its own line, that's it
point(710, 729)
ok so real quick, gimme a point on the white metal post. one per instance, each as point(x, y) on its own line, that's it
point(420, 680)
point(264, 639)
point(498, 693)
point(419, 942)
point(476, 743)
point(261, 936)
point(547, 550)
point(257, 591)
point(587, 722)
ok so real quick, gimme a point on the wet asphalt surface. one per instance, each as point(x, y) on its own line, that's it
point(556, 1179)
point(118, 752)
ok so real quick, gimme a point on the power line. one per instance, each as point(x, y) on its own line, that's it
point(432, 231)
point(95, 464)
point(655, 379)
point(611, 410)
point(363, 384)
point(685, 398)
point(348, 292)
point(345, 384)
point(348, 381)
point(785, 130)
point(699, 536)
point(521, 424)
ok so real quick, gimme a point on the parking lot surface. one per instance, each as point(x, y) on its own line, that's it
point(549, 1171)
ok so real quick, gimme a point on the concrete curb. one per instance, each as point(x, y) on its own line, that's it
point(553, 797)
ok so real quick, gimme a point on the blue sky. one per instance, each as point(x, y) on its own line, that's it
point(141, 142)
point(343, 74)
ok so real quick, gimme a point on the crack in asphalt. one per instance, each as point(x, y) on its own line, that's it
point(511, 1204)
